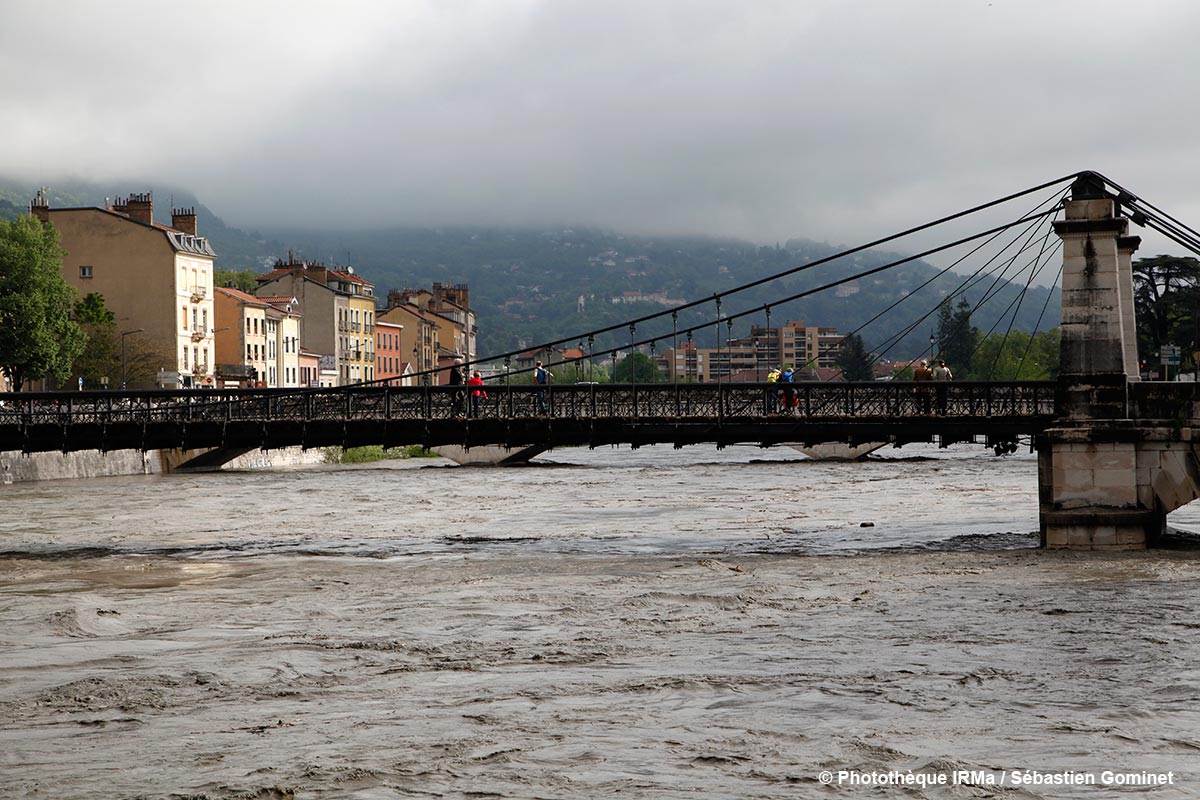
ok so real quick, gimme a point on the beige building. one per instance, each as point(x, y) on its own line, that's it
point(257, 339)
point(283, 342)
point(454, 303)
point(153, 277)
point(446, 312)
point(418, 335)
point(339, 313)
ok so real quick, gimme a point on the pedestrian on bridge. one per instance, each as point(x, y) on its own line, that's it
point(922, 375)
point(787, 377)
point(541, 377)
point(478, 395)
point(772, 392)
point(941, 374)
point(456, 379)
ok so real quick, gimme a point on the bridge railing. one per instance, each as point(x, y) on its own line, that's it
point(742, 401)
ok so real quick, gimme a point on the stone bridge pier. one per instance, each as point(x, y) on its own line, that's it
point(1120, 454)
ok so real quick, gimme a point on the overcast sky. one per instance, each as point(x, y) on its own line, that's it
point(835, 121)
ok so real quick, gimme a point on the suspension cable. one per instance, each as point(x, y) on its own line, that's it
point(551, 345)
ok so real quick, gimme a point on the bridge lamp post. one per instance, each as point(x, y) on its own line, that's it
point(123, 335)
point(932, 342)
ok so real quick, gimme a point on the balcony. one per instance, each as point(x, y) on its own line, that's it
point(355, 327)
point(199, 293)
point(199, 332)
point(343, 326)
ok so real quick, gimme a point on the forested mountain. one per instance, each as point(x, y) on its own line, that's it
point(531, 286)
point(237, 249)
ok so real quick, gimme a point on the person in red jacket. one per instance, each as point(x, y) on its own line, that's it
point(477, 393)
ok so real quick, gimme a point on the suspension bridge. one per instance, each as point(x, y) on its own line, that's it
point(1115, 454)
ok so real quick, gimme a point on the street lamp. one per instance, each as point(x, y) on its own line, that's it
point(932, 342)
point(123, 335)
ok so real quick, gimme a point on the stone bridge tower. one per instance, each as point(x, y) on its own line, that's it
point(1119, 456)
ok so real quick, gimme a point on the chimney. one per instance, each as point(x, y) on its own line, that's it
point(184, 219)
point(120, 206)
point(140, 207)
point(40, 206)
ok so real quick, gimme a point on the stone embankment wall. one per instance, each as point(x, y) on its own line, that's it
point(17, 467)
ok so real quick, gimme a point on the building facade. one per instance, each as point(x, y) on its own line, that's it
point(339, 313)
point(810, 350)
point(418, 336)
point(257, 340)
point(156, 279)
point(390, 358)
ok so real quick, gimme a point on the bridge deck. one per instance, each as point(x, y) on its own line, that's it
point(577, 414)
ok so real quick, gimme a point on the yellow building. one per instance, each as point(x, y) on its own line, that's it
point(156, 279)
point(339, 313)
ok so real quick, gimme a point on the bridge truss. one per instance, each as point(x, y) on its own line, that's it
point(577, 414)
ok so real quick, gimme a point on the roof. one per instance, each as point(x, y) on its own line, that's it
point(279, 300)
point(309, 270)
point(239, 295)
point(179, 241)
point(409, 309)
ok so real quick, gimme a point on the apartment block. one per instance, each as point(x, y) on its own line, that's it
point(339, 313)
point(156, 279)
point(808, 349)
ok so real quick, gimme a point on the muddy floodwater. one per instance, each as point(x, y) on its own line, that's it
point(655, 623)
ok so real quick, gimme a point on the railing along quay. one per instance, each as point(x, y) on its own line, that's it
point(574, 414)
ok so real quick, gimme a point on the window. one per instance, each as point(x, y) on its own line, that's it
point(85, 271)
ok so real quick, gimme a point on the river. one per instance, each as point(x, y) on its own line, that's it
point(650, 623)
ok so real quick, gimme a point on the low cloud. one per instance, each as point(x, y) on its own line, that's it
point(765, 120)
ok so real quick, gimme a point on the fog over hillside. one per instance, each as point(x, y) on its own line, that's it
point(534, 285)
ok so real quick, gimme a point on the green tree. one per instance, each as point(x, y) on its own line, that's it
point(1017, 357)
point(242, 280)
point(38, 338)
point(854, 361)
point(1166, 299)
point(98, 358)
point(637, 368)
point(956, 339)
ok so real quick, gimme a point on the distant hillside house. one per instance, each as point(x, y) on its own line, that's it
point(658, 298)
point(153, 277)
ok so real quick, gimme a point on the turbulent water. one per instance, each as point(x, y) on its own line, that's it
point(646, 623)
